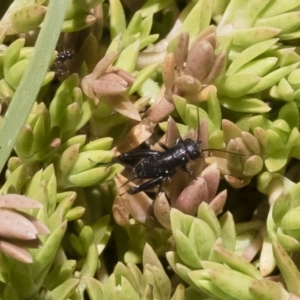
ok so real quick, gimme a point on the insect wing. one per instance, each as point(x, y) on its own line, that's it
point(131, 158)
point(162, 164)
point(150, 167)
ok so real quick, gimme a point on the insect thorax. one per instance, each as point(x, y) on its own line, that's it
point(192, 148)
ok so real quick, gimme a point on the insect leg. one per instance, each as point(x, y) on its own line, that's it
point(146, 185)
point(129, 159)
point(162, 145)
point(136, 154)
point(186, 170)
point(165, 147)
point(112, 162)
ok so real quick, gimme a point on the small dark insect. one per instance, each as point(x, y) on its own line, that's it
point(157, 166)
point(59, 65)
point(64, 55)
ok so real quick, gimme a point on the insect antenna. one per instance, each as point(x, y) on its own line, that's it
point(106, 165)
point(224, 151)
point(198, 129)
point(212, 149)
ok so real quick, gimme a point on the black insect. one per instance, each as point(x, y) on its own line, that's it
point(157, 166)
point(64, 55)
point(59, 65)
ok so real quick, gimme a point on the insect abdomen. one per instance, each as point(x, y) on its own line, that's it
point(162, 164)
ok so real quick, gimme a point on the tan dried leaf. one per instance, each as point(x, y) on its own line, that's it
point(103, 65)
point(139, 206)
point(218, 202)
point(172, 133)
point(87, 86)
point(16, 226)
point(127, 77)
point(106, 80)
point(15, 252)
point(109, 84)
point(200, 60)
point(136, 136)
point(220, 162)
point(182, 51)
point(218, 66)
point(237, 182)
point(121, 215)
point(192, 196)
point(159, 110)
point(203, 35)
point(211, 175)
point(18, 201)
point(188, 86)
point(123, 106)
point(168, 74)
point(40, 227)
point(162, 210)
point(255, 246)
point(251, 142)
